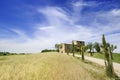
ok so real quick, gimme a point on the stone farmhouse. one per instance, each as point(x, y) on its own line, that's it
point(65, 48)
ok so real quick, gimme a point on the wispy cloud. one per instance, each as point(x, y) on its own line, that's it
point(82, 3)
point(55, 15)
point(46, 28)
point(78, 4)
point(115, 12)
point(61, 26)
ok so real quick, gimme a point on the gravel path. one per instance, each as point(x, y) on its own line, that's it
point(101, 62)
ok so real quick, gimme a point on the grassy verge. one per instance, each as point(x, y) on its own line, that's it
point(49, 67)
point(116, 56)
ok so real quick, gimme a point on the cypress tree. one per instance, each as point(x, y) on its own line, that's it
point(107, 58)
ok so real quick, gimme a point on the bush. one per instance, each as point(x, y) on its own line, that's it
point(4, 53)
point(8, 53)
point(48, 50)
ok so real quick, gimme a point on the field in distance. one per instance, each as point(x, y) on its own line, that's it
point(49, 66)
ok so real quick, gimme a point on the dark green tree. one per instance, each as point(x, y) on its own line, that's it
point(57, 47)
point(97, 46)
point(113, 47)
point(90, 47)
point(107, 58)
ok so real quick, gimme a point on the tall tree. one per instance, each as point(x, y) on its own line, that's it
point(82, 50)
point(113, 47)
point(73, 48)
point(90, 47)
point(97, 46)
point(57, 47)
point(107, 58)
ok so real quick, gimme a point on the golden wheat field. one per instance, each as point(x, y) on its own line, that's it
point(48, 66)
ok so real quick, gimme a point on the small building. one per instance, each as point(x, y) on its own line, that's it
point(78, 43)
point(66, 48)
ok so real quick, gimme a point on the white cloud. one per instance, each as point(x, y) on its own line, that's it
point(82, 3)
point(19, 32)
point(54, 15)
point(115, 12)
point(46, 28)
point(77, 8)
point(53, 33)
point(60, 26)
point(78, 4)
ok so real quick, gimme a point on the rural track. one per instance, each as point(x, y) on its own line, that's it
point(101, 62)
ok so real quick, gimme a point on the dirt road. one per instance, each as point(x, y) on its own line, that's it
point(101, 62)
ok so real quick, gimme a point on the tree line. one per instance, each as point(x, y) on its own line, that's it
point(97, 47)
point(89, 47)
point(48, 50)
point(9, 53)
point(105, 48)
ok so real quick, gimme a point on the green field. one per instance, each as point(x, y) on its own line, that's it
point(48, 66)
point(116, 56)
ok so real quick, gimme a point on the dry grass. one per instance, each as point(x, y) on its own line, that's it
point(50, 66)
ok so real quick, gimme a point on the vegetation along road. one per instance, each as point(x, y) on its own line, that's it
point(101, 62)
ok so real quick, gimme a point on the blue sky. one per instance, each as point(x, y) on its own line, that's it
point(33, 25)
